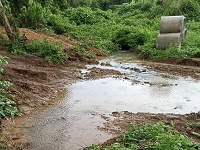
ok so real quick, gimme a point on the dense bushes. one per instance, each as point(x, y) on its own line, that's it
point(47, 50)
point(131, 25)
point(59, 24)
point(130, 37)
point(81, 15)
point(32, 15)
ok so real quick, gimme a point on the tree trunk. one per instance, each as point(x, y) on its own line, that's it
point(6, 23)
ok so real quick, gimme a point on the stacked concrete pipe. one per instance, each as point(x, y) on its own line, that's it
point(172, 32)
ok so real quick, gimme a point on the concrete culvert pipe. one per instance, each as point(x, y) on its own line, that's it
point(167, 40)
point(172, 24)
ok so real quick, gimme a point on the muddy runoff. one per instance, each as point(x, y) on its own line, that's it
point(120, 83)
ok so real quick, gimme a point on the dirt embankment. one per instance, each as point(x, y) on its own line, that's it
point(180, 67)
point(35, 80)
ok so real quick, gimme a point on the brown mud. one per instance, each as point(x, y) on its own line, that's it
point(180, 67)
point(37, 83)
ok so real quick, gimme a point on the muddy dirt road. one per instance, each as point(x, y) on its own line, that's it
point(90, 104)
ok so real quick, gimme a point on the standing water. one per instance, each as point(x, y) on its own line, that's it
point(72, 123)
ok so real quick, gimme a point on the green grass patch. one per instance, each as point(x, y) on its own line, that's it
point(157, 136)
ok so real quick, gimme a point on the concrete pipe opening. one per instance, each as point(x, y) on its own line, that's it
point(167, 40)
point(172, 24)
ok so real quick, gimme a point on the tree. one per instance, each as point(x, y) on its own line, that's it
point(6, 23)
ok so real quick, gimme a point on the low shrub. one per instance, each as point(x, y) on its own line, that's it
point(18, 46)
point(7, 105)
point(47, 50)
point(81, 50)
point(129, 37)
point(172, 52)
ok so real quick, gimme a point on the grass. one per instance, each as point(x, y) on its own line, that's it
point(157, 136)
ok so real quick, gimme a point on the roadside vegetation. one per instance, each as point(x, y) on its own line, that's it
point(157, 136)
point(110, 25)
point(7, 104)
point(7, 108)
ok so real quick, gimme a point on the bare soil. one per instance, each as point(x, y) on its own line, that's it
point(37, 82)
point(180, 67)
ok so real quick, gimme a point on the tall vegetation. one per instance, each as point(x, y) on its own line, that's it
point(111, 25)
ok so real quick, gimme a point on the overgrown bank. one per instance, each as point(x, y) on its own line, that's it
point(110, 26)
point(158, 136)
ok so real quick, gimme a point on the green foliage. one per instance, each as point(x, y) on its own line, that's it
point(47, 50)
point(127, 24)
point(102, 4)
point(172, 52)
point(151, 137)
point(7, 108)
point(82, 50)
point(106, 45)
point(2, 146)
point(59, 24)
point(191, 9)
point(129, 37)
point(33, 15)
point(18, 46)
point(84, 15)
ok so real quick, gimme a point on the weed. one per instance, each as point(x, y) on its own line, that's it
point(81, 50)
point(151, 137)
point(7, 108)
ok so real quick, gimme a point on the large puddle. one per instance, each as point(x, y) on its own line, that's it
point(72, 123)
